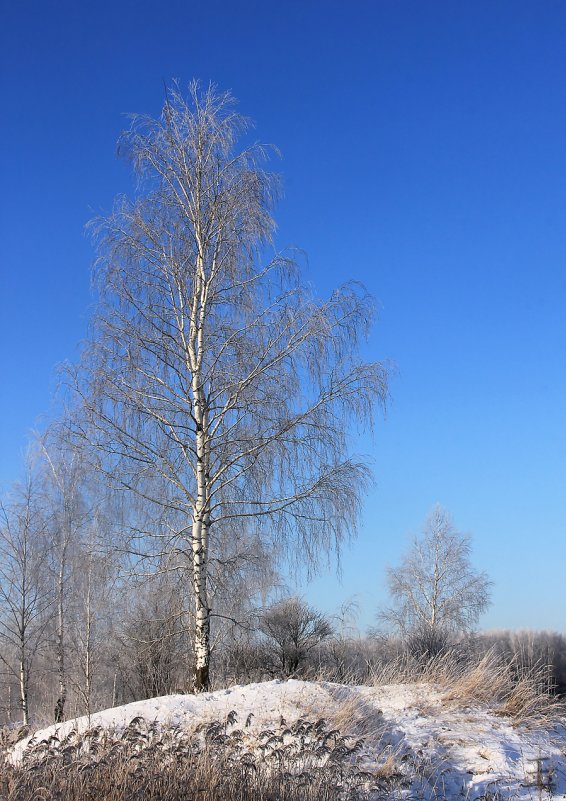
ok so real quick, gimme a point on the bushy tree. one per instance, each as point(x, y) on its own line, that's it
point(436, 593)
point(292, 629)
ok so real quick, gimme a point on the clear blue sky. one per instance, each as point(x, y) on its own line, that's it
point(424, 153)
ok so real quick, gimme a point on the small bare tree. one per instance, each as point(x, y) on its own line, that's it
point(216, 386)
point(154, 639)
point(292, 629)
point(62, 480)
point(93, 612)
point(25, 595)
point(436, 593)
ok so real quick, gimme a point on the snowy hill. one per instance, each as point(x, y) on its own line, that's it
point(409, 734)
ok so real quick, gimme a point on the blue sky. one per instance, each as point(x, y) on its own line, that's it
point(424, 153)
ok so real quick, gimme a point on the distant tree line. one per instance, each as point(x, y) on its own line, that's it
point(83, 627)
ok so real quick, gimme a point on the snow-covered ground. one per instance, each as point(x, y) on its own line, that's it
point(441, 750)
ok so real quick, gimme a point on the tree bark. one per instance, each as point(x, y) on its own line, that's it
point(60, 704)
point(24, 691)
point(200, 534)
point(201, 515)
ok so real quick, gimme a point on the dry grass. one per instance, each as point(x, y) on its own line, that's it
point(526, 695)
point(365, 720)
point(305, 761)
point(350, 714)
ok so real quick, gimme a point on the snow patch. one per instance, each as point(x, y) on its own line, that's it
point(440, 751)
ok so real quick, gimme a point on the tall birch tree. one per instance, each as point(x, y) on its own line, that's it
point(216, 385)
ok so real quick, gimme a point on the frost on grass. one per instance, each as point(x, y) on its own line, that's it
point(305, 740)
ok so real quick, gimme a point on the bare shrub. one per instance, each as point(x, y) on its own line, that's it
point(292, 629)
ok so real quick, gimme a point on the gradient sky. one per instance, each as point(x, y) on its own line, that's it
point(424, 153)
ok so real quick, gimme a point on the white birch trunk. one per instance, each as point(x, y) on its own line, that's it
point(201, 516)
point(60, 644)
point(23, 643)
point(199, 542)
point(88, 641)
point(24, 689)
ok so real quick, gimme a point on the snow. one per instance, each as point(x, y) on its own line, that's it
point(447, 751)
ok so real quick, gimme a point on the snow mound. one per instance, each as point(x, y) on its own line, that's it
point(433, 749)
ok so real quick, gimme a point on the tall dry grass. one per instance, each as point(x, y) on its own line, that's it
point(304, 761)
point(508, 688)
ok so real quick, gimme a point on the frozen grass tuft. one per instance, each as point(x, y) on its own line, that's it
point(524, 694)
point(304, 761)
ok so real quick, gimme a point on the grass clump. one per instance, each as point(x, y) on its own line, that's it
point(304, 761)
point(525, 694)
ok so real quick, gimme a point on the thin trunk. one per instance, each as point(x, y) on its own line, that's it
point(435, 588)
point(88, 643)
point(23, 635)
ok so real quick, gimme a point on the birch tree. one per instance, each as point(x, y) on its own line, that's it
point(436, 592)
point(93, 613)
point(216, 386)
point(62, 486)
point(25, 597)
